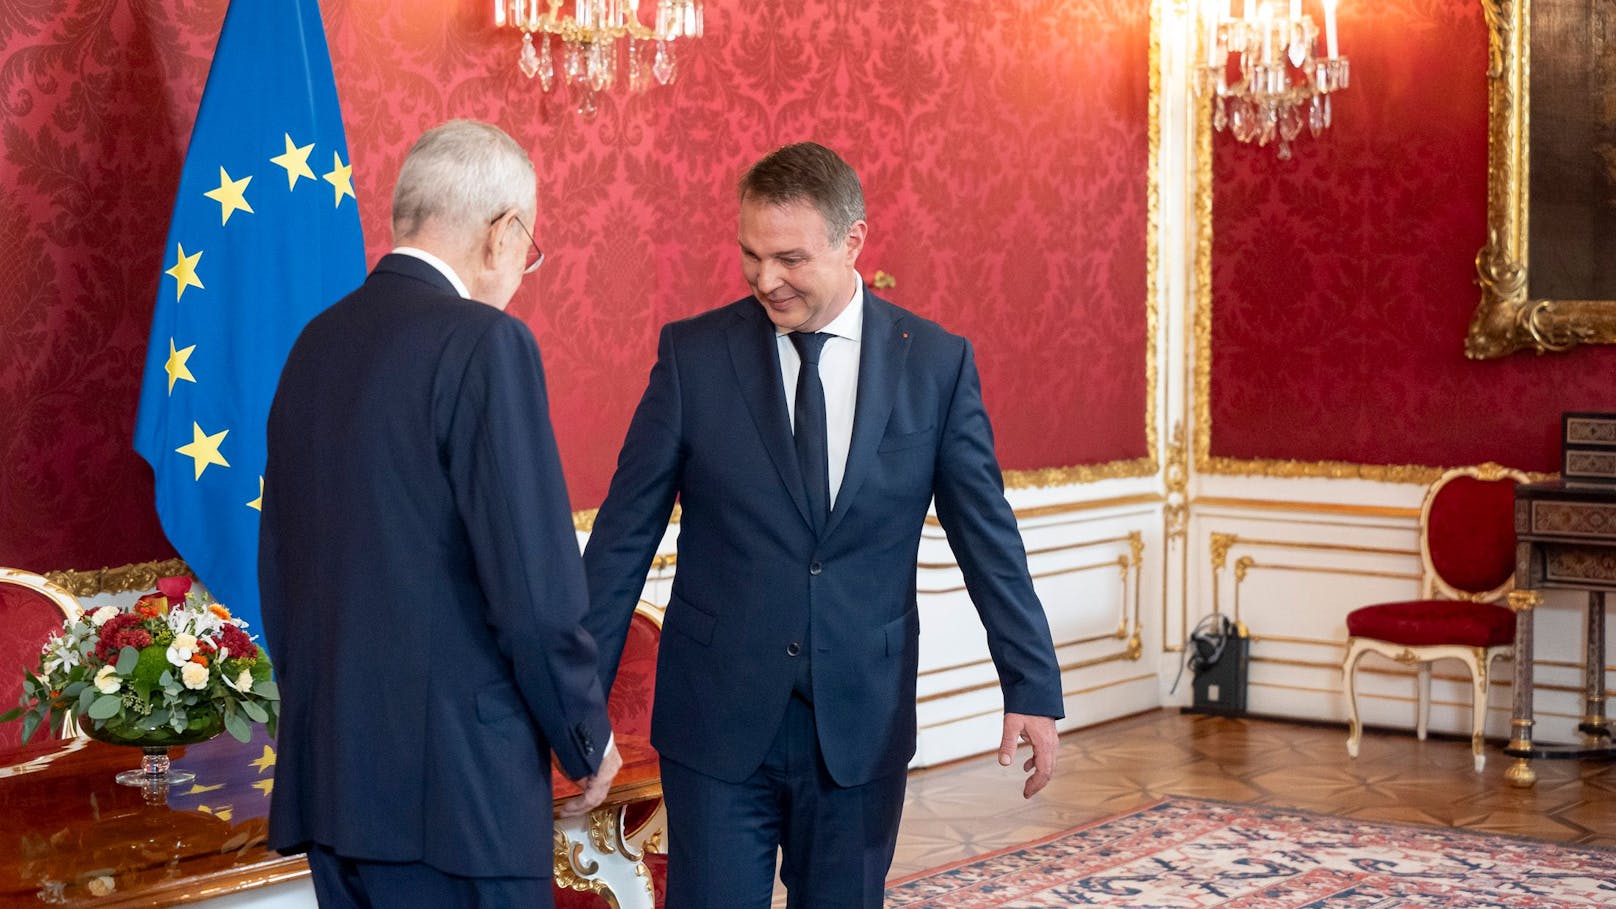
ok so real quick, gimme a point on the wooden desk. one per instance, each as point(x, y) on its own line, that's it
point(70, 835)
point(1565, 538)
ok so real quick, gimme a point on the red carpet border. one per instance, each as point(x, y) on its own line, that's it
point(1195, 854)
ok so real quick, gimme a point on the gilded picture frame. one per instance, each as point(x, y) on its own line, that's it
point(1513, 314)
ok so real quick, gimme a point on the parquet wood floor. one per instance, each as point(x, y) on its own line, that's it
point(974, 806)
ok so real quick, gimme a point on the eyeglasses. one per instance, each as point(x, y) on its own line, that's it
point(538, 254)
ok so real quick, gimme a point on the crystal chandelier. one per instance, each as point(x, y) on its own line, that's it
point(590, 37)
point(1263, 70)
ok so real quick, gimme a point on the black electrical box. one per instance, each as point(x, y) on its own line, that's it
point(1220, 674)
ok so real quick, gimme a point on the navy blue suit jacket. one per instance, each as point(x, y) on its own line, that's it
point(422, 587)
point(752, 577)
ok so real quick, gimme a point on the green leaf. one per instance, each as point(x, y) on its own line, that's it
point(142, 689)
point(269, 691)
point(127, 658)
point(273, 724)
point(255, 712)
point(238, 727)
point(105, 706)
point(30, 723)
point(261, 669)
point(11, 714)
point(73, 690)
point(86, 698)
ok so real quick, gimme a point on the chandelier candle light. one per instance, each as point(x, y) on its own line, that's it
point(590, 38)
point(1263, 70)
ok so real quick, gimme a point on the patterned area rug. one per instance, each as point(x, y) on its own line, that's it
point(1190, 854)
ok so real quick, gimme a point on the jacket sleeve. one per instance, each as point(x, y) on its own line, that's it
point(505, 472)
point(981, 528)
point(631, 522)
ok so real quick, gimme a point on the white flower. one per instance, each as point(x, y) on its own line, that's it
point(61, 653)
point(181, 651)
point(101, 885)
point(107, 681)
point(100, 616)
point(242, 683)
point(195, 676)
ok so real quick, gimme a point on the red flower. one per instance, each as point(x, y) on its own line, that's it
point(175, 588)
point(120, 631)
point(235, 640)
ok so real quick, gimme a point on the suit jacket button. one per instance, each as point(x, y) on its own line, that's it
point(793, 648)
point(814, 568)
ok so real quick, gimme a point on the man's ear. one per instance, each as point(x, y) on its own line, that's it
point(492, 242)
point(855, 240)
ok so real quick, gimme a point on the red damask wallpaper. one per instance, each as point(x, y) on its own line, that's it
point(1004, 151)
point(1343, 280)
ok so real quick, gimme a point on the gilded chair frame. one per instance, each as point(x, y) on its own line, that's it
point(1433, 586)
point(62, 599)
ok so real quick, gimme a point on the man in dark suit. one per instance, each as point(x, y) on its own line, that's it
point(804, 431)
point(422, 588)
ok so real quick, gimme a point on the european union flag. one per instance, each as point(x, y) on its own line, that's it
point(265, 234)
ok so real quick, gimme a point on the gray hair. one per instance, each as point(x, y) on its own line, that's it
point(808, 172)
point(461, 175)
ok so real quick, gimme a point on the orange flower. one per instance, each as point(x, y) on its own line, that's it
point(220, 611)
point(200, 659)
point(151, 606)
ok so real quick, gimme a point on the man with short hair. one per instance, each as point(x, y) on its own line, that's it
point(804, 431)
point(422, 588)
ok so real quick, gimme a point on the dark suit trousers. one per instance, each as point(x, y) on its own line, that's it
point(343, 883)
point(723, 838)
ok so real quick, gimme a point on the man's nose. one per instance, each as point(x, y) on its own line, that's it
point(770, 276)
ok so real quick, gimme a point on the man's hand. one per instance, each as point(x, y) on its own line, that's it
point(595, 787)
point(1039, 732)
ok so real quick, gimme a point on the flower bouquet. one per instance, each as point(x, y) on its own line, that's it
point(172, 669)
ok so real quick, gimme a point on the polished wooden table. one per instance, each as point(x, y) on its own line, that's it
point(70, 835)
point(1565, 537)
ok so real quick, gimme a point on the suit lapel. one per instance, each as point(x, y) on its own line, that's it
point(754, 353)
point(881, 358)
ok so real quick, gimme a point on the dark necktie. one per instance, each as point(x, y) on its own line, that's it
point(809, 427)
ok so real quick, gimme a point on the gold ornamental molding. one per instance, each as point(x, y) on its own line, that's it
point(1507, 319)
point(140, 576)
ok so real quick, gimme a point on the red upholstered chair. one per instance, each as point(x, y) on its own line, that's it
point(1467, 547)
point(31, 610)
point(630, 710)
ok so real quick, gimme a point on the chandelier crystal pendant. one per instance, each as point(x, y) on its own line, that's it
point(590, 36)
point(1263, 70)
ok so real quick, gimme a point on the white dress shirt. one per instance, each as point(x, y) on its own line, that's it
point(838, 372)
point(439, 264)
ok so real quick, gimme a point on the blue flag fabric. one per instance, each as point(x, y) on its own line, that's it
point(265, 234)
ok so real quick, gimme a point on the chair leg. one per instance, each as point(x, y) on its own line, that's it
point(1478, 708)
point(1349, 670)
point(1422, 716)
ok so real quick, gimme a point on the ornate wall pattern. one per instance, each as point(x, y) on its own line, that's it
point(1343, 280)
point(1005, 165)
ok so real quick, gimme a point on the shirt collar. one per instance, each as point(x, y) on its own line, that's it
point(442, 267)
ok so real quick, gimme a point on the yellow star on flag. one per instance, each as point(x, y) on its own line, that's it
point(296, 161)
point(231, 196)
point(204, 449)
point(265, 761)
point(258, 503)
point(223, 812)
point(176, 367)
point(341, 177)
point(198, 788)
point(184, 271)
point(265, 786)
